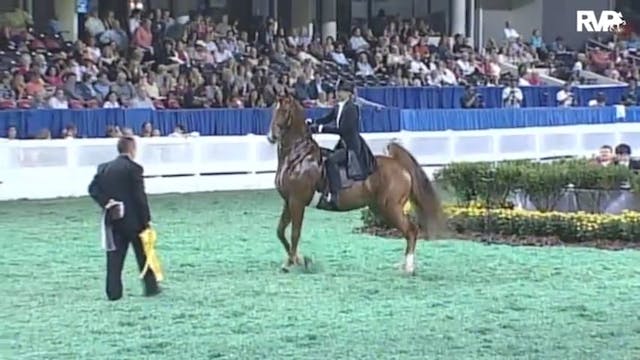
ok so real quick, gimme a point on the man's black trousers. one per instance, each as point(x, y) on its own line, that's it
point(115, 262)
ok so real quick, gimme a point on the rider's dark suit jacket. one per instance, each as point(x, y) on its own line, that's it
point(346, 123)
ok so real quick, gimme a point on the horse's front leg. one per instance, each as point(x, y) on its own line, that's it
point(296, 211)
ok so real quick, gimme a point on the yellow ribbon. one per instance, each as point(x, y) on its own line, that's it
point(148, 238)
point(408, 206)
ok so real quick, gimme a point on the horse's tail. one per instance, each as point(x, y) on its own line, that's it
point(423, 195)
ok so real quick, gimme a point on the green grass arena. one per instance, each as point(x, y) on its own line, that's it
point(225, 297)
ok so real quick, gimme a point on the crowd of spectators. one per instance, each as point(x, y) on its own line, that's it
point(156, 61)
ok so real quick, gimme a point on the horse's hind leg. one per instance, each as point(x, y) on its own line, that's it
point(285, 220)
point(394, 215)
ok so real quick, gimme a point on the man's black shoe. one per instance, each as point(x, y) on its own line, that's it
point(152, 292)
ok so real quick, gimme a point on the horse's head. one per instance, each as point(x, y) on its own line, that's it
point(288, 119)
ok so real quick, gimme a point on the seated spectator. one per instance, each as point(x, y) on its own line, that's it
point(113, 131)
point(58, 100)
point(605, 156)
point(363, 68)
point(179, 131)
point(338, 56)
point(43, 134)
point(19, 86)
point(70, 132)
point(111, 101)
point(94, 24)
point(12, 132)
point(70, 87)
point(123, 88)
point(565, 97)
point(38, 101)
point(52, 76)
point(465, 66)
point(558, 45)
point(35, 84)
point(86, 89)
point(599, 100)
point(146, 130)
point(357, 42)
point(141, 100)
point(447, 76)
point(102, 86)
point(534, 78)
point(512, 95)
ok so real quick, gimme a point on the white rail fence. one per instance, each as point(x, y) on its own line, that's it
point(39, 169)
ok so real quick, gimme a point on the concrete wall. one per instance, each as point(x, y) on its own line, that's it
point(523, 18)
point(559, 18)
point(551, 17)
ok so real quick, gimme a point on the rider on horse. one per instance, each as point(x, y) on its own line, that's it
point(351, 151)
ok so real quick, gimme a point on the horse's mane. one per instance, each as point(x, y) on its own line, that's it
point(304, 144)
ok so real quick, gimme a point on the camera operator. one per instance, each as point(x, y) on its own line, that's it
point(471, 99)
point(630, 97)
point(565, 97)
point(511, 95)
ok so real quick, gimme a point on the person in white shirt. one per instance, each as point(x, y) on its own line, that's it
point(357, 42)
point(58, 100)
point(511, 95)
point(338, 56)
point(447, 76)
point(565, 97)
point(134, 21)
point(112, 101)
point(364, 68)
point(465, 65)
point(510, 33)
point(94, 25)
point(599, 100)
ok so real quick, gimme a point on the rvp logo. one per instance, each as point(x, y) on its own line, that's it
point(611, 21)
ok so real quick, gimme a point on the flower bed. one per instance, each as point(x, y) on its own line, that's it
point(484, 195)
point(524, 227)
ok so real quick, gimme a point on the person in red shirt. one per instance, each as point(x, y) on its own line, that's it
point(143, 37)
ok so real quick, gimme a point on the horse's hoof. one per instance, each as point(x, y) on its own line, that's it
point(306, 261)
point(284, 269)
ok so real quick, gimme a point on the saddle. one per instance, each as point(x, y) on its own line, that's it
point(345, 181)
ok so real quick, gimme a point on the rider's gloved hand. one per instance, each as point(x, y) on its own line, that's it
point(308, 121)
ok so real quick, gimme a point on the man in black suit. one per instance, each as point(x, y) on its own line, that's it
point(351, 151)
point(118, 187)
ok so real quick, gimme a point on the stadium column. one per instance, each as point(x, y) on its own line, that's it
point(329, 16)
point(68, 17)
point(458, 17)
point(302, 14)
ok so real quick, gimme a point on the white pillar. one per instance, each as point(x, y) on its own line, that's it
point(458, 14)
point(329, 16)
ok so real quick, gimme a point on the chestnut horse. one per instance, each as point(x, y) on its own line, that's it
point(300, 180)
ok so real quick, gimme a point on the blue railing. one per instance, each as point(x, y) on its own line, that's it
point(449, 97)
point(94, 123)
